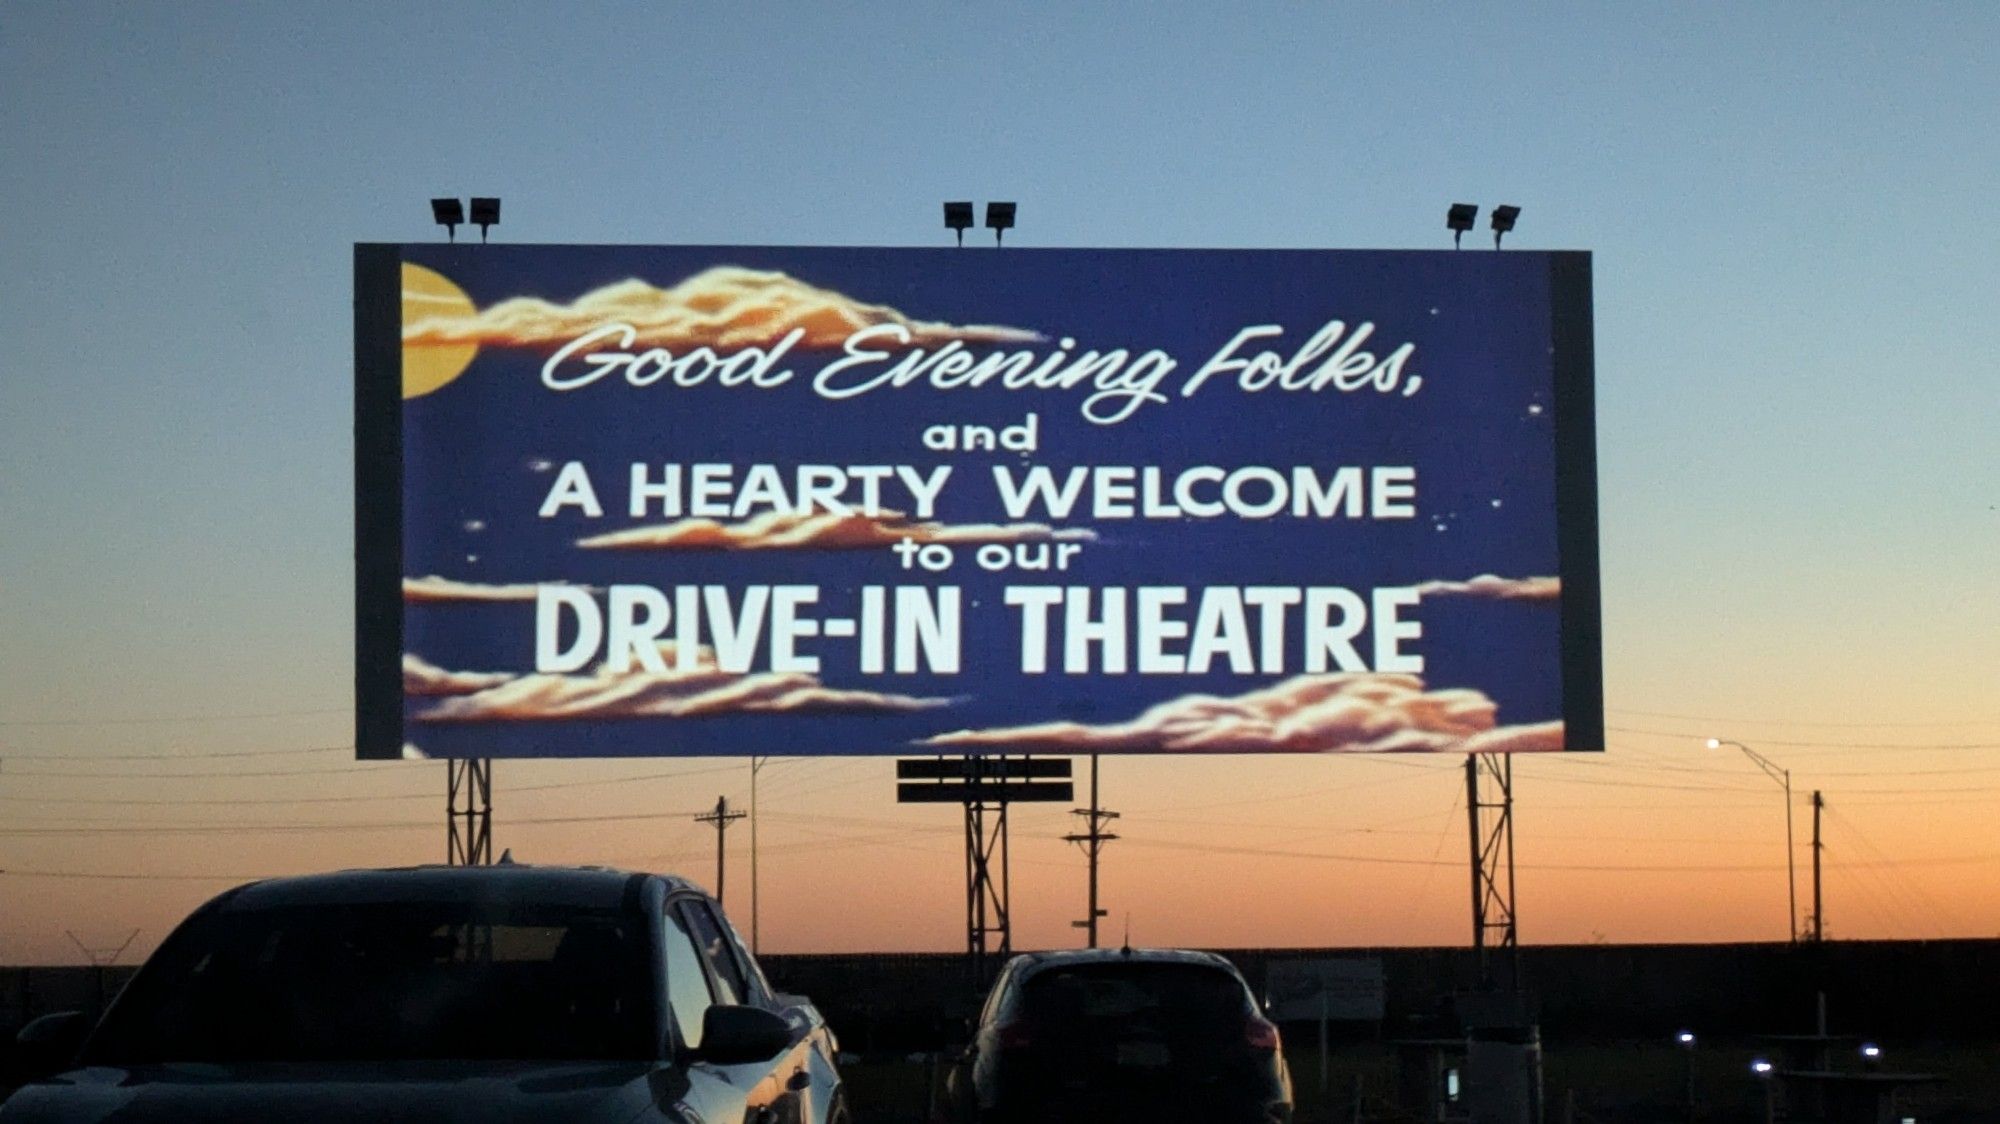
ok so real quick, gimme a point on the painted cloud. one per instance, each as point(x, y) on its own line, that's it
point(433, 588)
point(780, 530)
point(426, 679)
point(1351, 712)
point(702, 691)
point(725, 307)
point(1496, 587)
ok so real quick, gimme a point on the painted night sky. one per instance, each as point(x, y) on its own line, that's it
point(1468, 416)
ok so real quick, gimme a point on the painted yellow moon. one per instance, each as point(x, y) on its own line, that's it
point(429, 295)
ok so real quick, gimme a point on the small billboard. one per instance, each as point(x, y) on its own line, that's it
point(1332, 990)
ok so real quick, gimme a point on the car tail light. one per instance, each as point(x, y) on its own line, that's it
point(1012, 1036)
point(1260, 1034)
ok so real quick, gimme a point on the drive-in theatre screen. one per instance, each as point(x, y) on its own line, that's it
point(673, 500)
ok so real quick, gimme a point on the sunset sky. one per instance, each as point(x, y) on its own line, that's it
point(1798, 412)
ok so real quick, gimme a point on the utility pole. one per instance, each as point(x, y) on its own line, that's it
point(1092, 841)
point(1818, 915)
point(722, 817)
point(756, 764)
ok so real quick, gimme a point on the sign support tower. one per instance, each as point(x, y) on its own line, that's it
point(1489, 789)
point(989, 933)
point(468, 811)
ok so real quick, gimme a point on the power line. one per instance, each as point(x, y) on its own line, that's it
point(1800, 721)
point(1816, 744)
point(360, 798)
point(209, 774)
point(148, 720)
point(1889, 867)
point(1949, 860)
point(398, 825)
point(192, 755)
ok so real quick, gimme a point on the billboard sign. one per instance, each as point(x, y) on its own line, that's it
point(683, 500)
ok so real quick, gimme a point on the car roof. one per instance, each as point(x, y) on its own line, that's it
point(1033, 963)
point(583, 886)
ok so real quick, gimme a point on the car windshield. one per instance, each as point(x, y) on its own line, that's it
point(1173, 999)
point(399, 981)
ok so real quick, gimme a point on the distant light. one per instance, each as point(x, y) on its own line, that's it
point(1760, 1067)
point(958, 219)
point(1504, 217)
point(1715, 743)
point(485, 213)
point(999, 219)
point(1459, 219)
point(448, 213)
point(1685, 1037)
point(1871, 1051)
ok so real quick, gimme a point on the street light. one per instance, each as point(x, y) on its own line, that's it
point(958, 218)
point(1458, 219)
point(485, 213)
point(1762, 1069)
point(1783, 777)
point(1686, 1039)
point(448, 213)
point(1000, 218)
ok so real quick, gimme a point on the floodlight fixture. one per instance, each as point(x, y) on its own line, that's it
point(485, 213)
point(1504, 218)
point(448, 213)
point(1685, 1038)
point(958, 218)
point(999, 219)
point(1871, 1051)
point(1761, 1067)
point(1459, 219)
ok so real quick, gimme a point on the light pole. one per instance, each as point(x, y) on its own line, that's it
point(1686, 1039)
point(1784, 778)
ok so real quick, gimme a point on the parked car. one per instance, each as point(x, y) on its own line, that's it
point(495, 993)
point(1103, 1035)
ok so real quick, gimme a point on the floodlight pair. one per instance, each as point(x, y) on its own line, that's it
point(1461, 216)
point(958, 219)
point(448, 213)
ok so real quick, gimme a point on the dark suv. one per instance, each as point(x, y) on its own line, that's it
point(494, 993)
point(1107, 1035)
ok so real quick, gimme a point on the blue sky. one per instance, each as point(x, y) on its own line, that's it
point(1790, 206)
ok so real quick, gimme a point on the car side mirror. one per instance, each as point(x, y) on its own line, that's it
point(740, 1035)
point(48, 1045)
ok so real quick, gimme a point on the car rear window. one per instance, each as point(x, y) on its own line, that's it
point(398, 981)
point(1186, 997)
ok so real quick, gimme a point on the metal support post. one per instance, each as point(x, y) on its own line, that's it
point(1489, 788)
point(468, 811)
point(988, 932)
